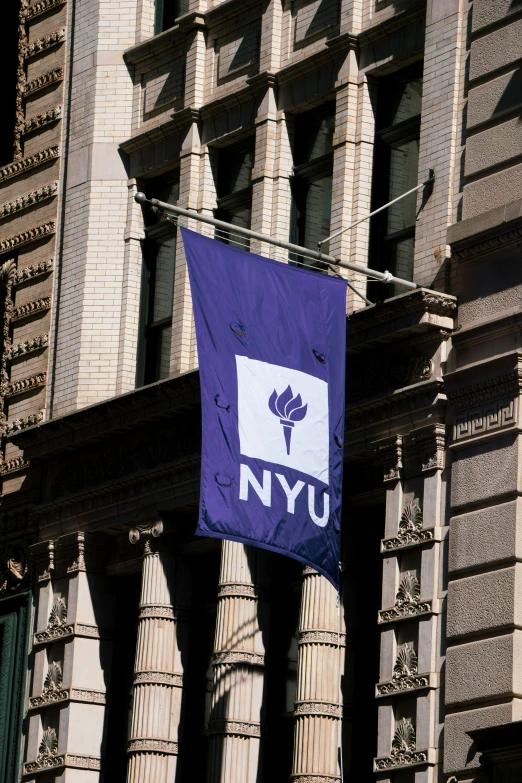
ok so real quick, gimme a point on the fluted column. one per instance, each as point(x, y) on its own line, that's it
point(158, 675)
point(236, 714)
point(317, 708)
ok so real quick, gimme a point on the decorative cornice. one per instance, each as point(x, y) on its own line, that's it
point(238, 657)
point(32, 271)
point(404, 753)
point(328, 709)
point(149, 744)
point(20, 424)
point(13, 465)
point(34, 344)
point(40, 120)
point(25, 237)
point(239, 728)
point(322, 637)
point(45, 43)
point(25, 384)
point(29, 308)
point(410, 530)
point(41, 82)
point(158, 678)
point(24, 202)
point(40, 8)
point(407, 601)
point(20, 166)
point(405, 674)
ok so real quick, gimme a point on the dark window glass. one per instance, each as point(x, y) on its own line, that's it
point(159, 256)
point(395, 171)
point(312, 180)
point(8, 68)
point(166, 13)
point(234, 189)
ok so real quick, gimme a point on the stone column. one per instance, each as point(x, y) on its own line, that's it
point(317, 707)
point(158, 677)
point(236, 712)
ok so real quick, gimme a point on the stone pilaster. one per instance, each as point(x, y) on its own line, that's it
point(317, 707)
point(158, 675)
point(236, 713)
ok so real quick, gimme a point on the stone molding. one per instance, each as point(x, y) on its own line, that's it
point(73, 694)
point(407, 601)
point(239, 728)
point(25, 237)
point(29, 200)
point(311, 778)
point(20, 424)
point(238, 657)
point(405, 674)
point(40, 120)
point(321, 708)
point(25, 384)
point(318, 636)
point(490, 417)
point(34, 344)
point(159, 611)
point(411, 532)
point(424, 450)
point(45, 43)
point(237, 590)
point(389, 451)
point(42, 554)
point(41, 82)
point(151, 745)
point(158, 678)
point(404, 752)
point(42, 7)
point(13, 465)
point(30, 308)
point(32, 271)
point(30, 162)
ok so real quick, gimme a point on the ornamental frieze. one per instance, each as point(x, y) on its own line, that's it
point(404, 752)
point(151, 745)
point(407, 601)
point(40, 120)
point(238, 657)
point(21, 424)
point(25, 384)
point(29, 200)
point(484, 419)
point(45, 43)
point(25, 237)
point(32, 271)
point(30, 308)
point(405, 676)
point(13, 465)
point(30, 162)
point(42, 7)
point(328, 709)
point(322, 637)
point(28, 346)
point(410, 530)
point(240, 728)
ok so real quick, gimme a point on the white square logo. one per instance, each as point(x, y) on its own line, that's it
point(283, 416)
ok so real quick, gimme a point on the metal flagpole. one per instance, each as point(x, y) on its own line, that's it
point(385, 277)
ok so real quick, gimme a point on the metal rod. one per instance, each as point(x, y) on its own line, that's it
point(430, 179)
point(385, 277)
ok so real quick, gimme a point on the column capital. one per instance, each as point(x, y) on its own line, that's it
point(149, 530)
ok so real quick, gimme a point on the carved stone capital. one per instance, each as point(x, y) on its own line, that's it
point(13, 567)
point(424, 450)
point(148, 531)
point(322, 637)
point(389, 451)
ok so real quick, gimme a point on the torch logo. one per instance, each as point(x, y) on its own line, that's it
point(289, 409)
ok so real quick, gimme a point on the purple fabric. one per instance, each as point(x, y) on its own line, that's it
point(271, 346)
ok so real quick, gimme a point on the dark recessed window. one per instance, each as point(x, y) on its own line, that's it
point(8, 68)
point(312, 179)
point(395, 171)
point(159, 256)
point(166, 13)
point(234, 189)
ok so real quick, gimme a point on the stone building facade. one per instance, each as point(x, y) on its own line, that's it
point(130, 650)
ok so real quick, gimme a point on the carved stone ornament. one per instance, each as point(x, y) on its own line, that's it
point(41, 82)
point(29, 308)
point(30, 162)
point(25, 384)
point(238, 657)
point(29, 200)
point(13, 568)
point(407, 603)
point(315, 779)
point(328, 709)
point(158, 678)
point(45, 43)
point(146, 530)
point(153, 745)
point(410, 529)
point(47, 757)
point(20, 424)
point(41, 7)
point(239, 728)
point(403, 753)
point(13, 465)
point(57, 625)
point(405, 673)
point(28, 346)
point(322, 637)
point(40, 120)
point(52, 691)
point(26, 237)
point(7, 274)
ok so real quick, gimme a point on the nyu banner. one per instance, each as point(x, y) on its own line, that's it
point(271, 347)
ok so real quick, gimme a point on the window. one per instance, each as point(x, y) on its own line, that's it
point(312, 179)
point(396, 170)
point(234, 188)
point(159, 255)
point(166, 13)
point(8, 67)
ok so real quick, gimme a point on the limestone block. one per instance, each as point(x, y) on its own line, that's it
point(485, 669)
point(493, 146)
point(484, 471)
point(85, 729)
point(495, 96)
point(493, 191)
point(90, 665)
point(484, 602)
point(459, 755)
point(496, 50)
point(489, 535)
point(485, 12)
point(80, 776)
point(483, 298)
